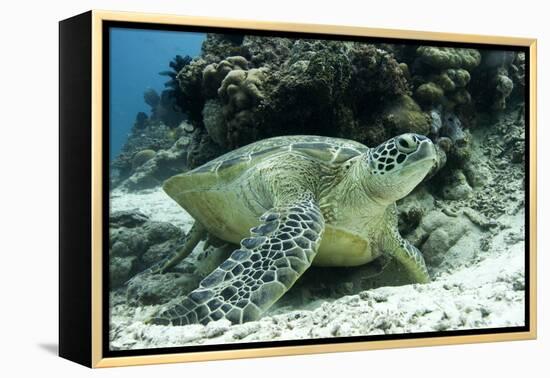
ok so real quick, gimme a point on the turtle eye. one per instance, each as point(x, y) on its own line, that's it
point(406, 143)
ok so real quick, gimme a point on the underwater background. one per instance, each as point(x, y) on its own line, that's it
point(134, 55)
point(220, 92)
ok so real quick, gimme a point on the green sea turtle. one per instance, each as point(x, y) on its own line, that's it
point(291, 202)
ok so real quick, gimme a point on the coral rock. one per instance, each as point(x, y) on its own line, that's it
point(132, 237)
point(190, 82)
point(120, 269)
point(405, 116)
point(430, 93)
point(157, 167)
point(213, 74)
point(242, 89)
point(217, 47)
point(457, 187)
point(267, 51)
point(160, 288)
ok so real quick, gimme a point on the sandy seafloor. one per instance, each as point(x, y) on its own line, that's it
point(480, 284)
point(472, 291)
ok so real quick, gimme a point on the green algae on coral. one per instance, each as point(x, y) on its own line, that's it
point(429, 93)
point(404, 115)
point(449, 57)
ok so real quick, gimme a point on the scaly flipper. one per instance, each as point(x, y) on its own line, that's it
point(268, 263)
point(402, 250)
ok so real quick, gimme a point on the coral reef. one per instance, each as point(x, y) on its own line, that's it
point(442, 74)
point(151, 168)
point(440, 80)
point(270, 52)
point(152, 137)
point(278, 86)
point(219, 46)
point(244, 88)
point(308, 92)
point(377, 75)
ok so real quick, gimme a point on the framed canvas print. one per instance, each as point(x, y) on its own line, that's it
point(236, 188)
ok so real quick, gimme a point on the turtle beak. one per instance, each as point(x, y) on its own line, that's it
point(426, 151)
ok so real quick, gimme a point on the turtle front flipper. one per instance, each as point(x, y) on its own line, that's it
point(266, 265)
point(409, 256)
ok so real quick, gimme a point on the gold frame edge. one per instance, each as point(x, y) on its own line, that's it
point(533, 188)
point(97, 190)
point(98, 16)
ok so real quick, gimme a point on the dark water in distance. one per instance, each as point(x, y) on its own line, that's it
point(136, 58)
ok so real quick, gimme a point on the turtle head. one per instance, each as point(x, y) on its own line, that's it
point(398, 165)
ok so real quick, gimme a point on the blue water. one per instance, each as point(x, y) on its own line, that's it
point(136, 58)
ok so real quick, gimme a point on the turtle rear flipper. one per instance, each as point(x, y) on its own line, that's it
point(193, 237)
point(268, 263)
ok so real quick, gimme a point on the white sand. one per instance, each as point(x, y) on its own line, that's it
point(154, 203)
